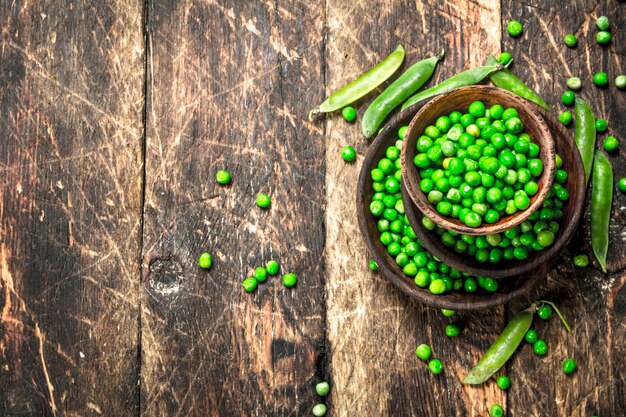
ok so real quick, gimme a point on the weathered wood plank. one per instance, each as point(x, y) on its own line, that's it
point(71, 100)
point(595, 303)
point(230, 85)
point(373, 330)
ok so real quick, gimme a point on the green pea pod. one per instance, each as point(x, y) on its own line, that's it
point(401, 89)
point(470, 77)
point(585, 134)
point(502, 349)
point(507, 80)
point(601, 201)
point(363, 85)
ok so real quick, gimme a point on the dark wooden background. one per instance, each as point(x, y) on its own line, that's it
point(115, 117)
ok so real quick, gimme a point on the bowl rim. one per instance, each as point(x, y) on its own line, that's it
point(454, 300)
point(531, 117)
point(548, 256)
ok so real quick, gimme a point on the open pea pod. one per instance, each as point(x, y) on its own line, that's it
point(363, 85)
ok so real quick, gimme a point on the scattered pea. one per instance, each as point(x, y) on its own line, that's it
point(205, 260)
point(569, 366)
point(568, 98)
point(514, 28)
point(222, 177)
point(570, 40)
point(540, 347)
point(505, 58)
point(603, 37)
point(260, 274)
point(319, 410)
point(611, 144)
point(574, 83)
point(349, 113)
point(566, 118)
point(423, 352)
point(622, 185)
point(545, 312)
point(373, 265)
point(249, 284)
point(452, 330)
point(602, 23)
point(581, 261)
point(289, 280)
point(435, 366)
point(600, 125)
point(448, 313)
point(496, 410)
point(263, 200)
point(600, 79)
point(531, 336)
point(322, 389)
point(503, 382)
point(272, 267)
point(348, 154)
point(620, 81)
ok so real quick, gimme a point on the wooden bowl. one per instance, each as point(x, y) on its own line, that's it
point(460, 100)
point(538, 262)
point(508, 289)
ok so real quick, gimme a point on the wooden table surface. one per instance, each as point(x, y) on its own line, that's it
point(115, 117)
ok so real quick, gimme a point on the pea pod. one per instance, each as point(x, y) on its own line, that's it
point(585, 134)
point(503, 348)
point(401, 89)
point(363, 85)
point(470, 77)
point(507, 80)
point(601, 201)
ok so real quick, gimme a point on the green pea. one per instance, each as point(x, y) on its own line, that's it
point(448, 313)
point(423, 352)
point(349, 113)
point(290, 279)
point(602, 22)
point(452, 330)
point(531, 336)
point(435, 366)
point(540, 347)
point(622, 185)
point(514, 28)
point(319, 410)
point(603, 37)
point(402, 131)
point(570, 40)
point(222, 177)
point(601, 79)
point(611, 144)
point(568, 98)
point(249, 284)
point(205, 260)
point(504, 59)
point(569, 366)
point(566, 118)
point(545, 312)
point(620, 81)
point(503, 382)
point(574, 83)
point(496, 410)
point(263, 200)
point(260, 274)
point(348, 154)
point(437, 286)
point(473, 219)
point(271, 267)
point(581, 261)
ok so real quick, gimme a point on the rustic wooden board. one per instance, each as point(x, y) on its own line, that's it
point(71, 100)
point(373, 330)
point(229, 87)
point(595, 303)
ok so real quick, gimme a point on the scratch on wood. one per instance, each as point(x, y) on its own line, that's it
point(44, 368)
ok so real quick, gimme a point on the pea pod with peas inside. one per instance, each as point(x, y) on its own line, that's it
point(506, 344)
point(470, 77)
point(363, 85)
point(507, 80)
point(601, 201)
point(585, 134)
point(401, 89)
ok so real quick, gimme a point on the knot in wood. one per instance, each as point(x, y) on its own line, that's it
point(165, 277)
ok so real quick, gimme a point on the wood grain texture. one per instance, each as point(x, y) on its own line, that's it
point(594, 303)
point(229, 86)
point(373, 330)
point(71, 100)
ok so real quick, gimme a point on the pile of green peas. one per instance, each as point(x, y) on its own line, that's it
point(534, 234)
point(402, 243)
point(478, 166)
